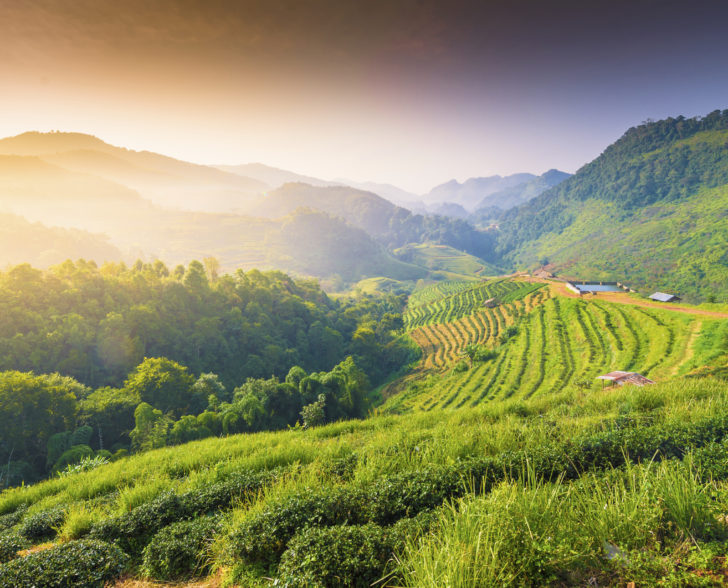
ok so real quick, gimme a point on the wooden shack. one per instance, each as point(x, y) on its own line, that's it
point(619, 378)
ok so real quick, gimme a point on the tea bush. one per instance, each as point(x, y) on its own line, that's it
point(90, 564)
point(177, 552)
point(133, 531)
point(262, 538)
point(9, 520)
point(10, 544)
point(346, 556)
point(42, 525)
point(341, 555)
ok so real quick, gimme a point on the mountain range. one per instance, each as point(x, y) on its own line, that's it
point(649, 211)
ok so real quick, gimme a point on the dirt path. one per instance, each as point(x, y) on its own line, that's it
point(620, 298)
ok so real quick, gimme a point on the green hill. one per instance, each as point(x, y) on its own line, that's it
point(391, 225)
point(34, 243)
point(650, 211)
point(445, 261)
point(514, 447)
point(163, 180)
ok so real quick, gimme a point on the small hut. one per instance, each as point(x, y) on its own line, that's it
point(662, 297)
point(490, 303)
point(622, 378)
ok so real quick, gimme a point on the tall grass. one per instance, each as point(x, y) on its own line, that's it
point(527, 533)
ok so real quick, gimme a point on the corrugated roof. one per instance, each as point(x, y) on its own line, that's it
point(662, 297)
point(626, 378)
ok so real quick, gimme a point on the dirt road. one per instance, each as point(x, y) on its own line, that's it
point(623, 298)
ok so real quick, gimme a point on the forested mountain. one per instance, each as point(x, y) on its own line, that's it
point(471, 192)
point(24, 242)
point(492, 206)
point(650, 211)
point(391, 225)
point(160, 179)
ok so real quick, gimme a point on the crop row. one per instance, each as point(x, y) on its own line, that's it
point(559, 342)
point(467, 301)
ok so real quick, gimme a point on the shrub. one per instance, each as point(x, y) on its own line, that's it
point(42, 525)
point(10, 544)
point(74, 455)
point(341, 555)
point(262, 538)
point(409, 493)
point(133, 531)
point(12, 518)
point(89, 564)
point(337, 556)
point(177, 552)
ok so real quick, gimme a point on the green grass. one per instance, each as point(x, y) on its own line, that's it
point(537, 475)
point(646, 506)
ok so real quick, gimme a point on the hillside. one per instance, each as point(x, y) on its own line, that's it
point(446, 262)
point(649, 211)
point(273, 177)
point(537, 339)
point(519, 469)
point(158, 178)
point(152, 206)
point(492, 206)
point(392, 226)
point(41, 246)
point(471, 192)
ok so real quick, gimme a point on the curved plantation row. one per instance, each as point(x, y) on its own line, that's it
point(455, 306)
point(443, 343)
point(437, 291)
point(346, 532)
point(559, 343)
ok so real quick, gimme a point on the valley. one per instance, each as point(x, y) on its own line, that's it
point(345, 392)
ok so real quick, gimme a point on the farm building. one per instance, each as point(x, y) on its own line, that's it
point(662, 297)
point(490, 303)
point(622, 378)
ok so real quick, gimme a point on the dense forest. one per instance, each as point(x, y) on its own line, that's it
point(115, 358)
point(650, 163)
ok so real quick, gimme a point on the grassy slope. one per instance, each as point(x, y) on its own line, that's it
point(385, 445)
point(513, 517)
point(446, 261)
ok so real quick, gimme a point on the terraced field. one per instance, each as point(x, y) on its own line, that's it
point(558, 343)
point(450, 301)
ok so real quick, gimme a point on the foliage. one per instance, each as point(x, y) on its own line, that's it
point(353, 556)
point(86, 464)
point(179, 550)
point(77, 563)
point(10, 544)
point(43, 524)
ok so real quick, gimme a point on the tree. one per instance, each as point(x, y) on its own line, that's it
point(163, 383)
point(151, 427)
point(32, 409)
point(313, 414)
point(110, 411)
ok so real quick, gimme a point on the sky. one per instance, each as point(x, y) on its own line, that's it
point(408, 92)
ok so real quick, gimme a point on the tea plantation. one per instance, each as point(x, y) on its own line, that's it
point(499, 462)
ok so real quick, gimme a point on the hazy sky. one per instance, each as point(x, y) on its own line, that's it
point(402, 91)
